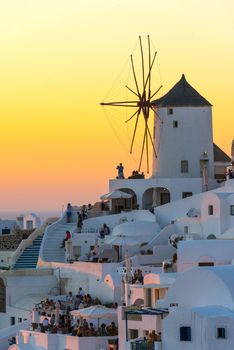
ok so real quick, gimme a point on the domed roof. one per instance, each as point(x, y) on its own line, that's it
point(204, 286)
point(140, 230)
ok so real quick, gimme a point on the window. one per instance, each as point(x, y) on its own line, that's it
point(133, 333)
point(186, 194)
point(29, 225)
point(185, 333)
point(175, 124)
point(12, 321)
point(170, 111)
point(148, 297)
point(174, 305)
point(19, 320)
point(221, 333)
point(184, 166)
point(205, 264)
point(210, 210)
point(232, 210)
point(6, 231)
point(185, 229)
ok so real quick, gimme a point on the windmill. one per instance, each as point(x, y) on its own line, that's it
point(142, 102)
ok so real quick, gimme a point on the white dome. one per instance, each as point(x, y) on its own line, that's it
point(141, 230)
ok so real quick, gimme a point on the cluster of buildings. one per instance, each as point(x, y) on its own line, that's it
point(23, 222)
point(176, 230)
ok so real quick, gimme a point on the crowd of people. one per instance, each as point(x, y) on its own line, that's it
point(85, 329)
point(57, 317)
point(80, 327)
point(137, 277)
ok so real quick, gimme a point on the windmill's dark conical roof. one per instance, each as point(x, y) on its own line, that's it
point(220, 155)
point(181, 95)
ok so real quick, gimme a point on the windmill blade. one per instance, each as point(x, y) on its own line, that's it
point(126, 121)
point(135, 128)
point(131, 90)
point(152, 143)
point(142, 151)
point(148, 38)
point(134, 75)
point(147, 147)
point(142, 64)
point(116, 102)
point(156, 92)
point(149, 74)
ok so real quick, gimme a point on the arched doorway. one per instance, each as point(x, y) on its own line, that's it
point(2, 296)
point(125, 204)
point(155, 196)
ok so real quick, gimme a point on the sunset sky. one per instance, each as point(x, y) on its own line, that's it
point(59, 59)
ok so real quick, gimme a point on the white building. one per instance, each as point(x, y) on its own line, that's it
point(29, 221)
point(203, 316)
point(208, 214)
point(188, 162)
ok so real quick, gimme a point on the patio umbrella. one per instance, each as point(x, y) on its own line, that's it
point(95, 311)
point(116, 195)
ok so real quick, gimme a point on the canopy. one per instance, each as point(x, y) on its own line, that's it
point(96, 311)
point(116, 195)
point(122, 241)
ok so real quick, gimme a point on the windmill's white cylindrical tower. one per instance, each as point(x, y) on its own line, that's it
point(183, 135)
point(232, 150)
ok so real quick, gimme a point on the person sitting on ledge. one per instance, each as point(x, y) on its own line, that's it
point(105, 230)
point(68, 236)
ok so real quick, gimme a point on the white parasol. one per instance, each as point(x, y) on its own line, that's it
point(95, 311)
point(116, 195)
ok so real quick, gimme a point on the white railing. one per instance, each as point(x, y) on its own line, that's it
point(49, 230)
point(25, 243)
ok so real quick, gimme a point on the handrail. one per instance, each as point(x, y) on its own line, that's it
point(25, 243)
point(48, 228)
point(62, 219)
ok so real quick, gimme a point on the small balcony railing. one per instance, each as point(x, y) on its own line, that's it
point(142, 345)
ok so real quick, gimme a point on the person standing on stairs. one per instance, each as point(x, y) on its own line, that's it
point(69, 212)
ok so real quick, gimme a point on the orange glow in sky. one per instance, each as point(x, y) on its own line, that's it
point(58, 60)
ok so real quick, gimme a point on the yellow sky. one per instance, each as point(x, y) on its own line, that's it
point(59, 59)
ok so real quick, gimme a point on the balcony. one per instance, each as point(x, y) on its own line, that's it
point(145, 345)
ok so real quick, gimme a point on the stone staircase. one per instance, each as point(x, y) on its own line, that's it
point(52, 250)
point(29, 257)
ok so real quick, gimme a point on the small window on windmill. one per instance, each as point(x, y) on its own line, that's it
point(221, 332)
point(175, 123)
point(185, 333)
point(232, 210)
point(170, 111)
point(184, 166)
